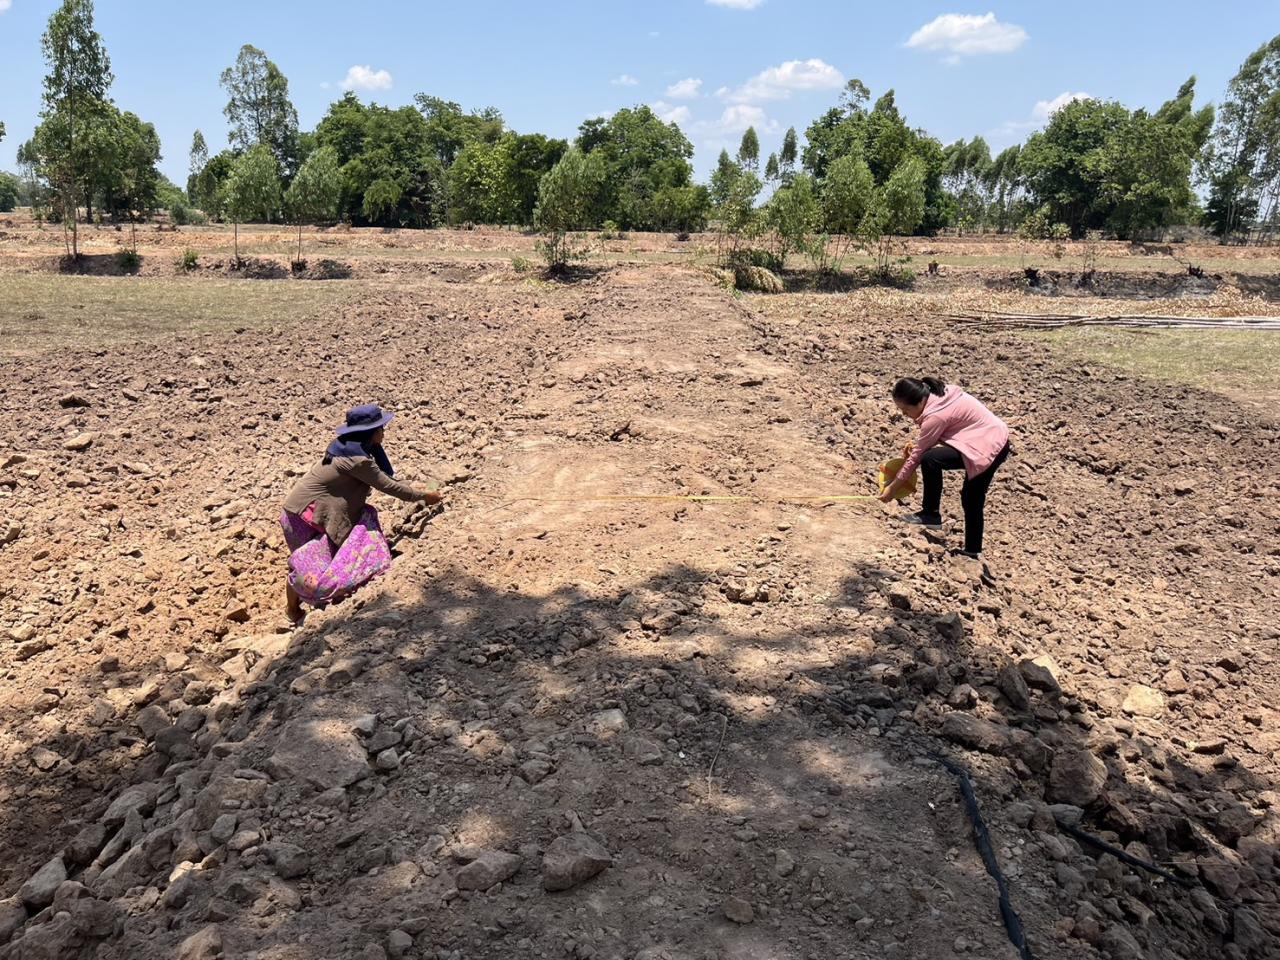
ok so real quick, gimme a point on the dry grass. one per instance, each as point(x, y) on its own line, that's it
point(1239, 363)
point(45, 311)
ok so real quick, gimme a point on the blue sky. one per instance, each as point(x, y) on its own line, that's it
point(712, 65)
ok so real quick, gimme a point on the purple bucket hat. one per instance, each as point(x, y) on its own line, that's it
point(368, 416)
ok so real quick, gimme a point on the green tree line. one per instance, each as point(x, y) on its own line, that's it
point(1096, 165)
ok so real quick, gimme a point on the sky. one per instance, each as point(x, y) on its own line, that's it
point(712, 66)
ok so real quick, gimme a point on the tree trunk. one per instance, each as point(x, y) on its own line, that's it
point(236, 241)
point(299, 257)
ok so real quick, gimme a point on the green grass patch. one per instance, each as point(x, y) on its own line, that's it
point(46, 311)
point(1232, 362)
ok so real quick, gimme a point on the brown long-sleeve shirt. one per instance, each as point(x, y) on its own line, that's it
point(339, 490)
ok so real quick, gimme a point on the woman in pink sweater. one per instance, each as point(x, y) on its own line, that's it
point(956, 433)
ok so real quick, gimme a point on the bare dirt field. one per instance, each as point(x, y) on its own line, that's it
point(566, 727)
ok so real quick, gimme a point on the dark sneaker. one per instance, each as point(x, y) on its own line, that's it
point(931, 520)
point(967, 554)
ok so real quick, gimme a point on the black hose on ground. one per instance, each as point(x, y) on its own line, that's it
point(1124, 857)
point(982, 840)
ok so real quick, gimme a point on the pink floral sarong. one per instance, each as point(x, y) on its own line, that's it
point(321, 575)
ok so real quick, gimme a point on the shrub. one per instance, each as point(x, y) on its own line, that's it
point(128, 261)
point(901, 278)
point(521, 264)
point(189, 260)
point(755, 257)
point(609, 231)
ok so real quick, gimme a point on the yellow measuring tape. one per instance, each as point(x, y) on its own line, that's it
point(688, 498)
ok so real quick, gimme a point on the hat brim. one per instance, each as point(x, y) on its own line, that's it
point(378, 424)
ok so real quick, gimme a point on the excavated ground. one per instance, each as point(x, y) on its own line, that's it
point(732, 709)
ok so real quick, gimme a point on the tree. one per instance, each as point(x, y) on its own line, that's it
point(1062, 164)
point(375, 143)
point(771, 170)
point(683, 209)
point(899, 208)
point(1146, 166)
point(1242, 163)
point(639, 155)
point(134, 184)
point(74, 103)
point(316, 190)
point(199, 160)
point(966, 177)
point(793, 214)
point(749, 150)
point(8, 192)
point(253, 189)
point(789, 153)
point(566, 198)
point(1, 129)
point(258, 108)
point(211, 182)
point(448, 130)
point(733, 195)
point(848, 195)
point(481, 185)
point(1005, 186)
point(883, 140)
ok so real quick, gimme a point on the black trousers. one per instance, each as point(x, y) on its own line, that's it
point(973, 495)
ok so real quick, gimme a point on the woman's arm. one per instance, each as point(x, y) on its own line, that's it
point(366, 471)
point(930, 437)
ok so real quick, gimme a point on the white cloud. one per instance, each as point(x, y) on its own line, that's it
point(1040, 114)
point(736, 118)
point(625, 80)
point(671, 113)
point(1044, 109)
point(366, 78)
point(778, 83)
point(736, 4)
point(686, 89)
point(963, 35)
point(5, 5)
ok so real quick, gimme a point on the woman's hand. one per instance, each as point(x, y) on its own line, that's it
point(890, 493)
point(433, 497)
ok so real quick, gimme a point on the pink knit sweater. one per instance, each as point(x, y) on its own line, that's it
point(963, 423)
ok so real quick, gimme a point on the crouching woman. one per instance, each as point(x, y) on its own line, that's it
point(336, 544)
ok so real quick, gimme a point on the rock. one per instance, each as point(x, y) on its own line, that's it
point(488, 868)
point(12, 916)
point(243, 840)
point(1220, 876)
point(289, 860)
point(608, 724)
point(80, 442)
point(37, 893)
point(1143, 701)
point(205, 944)
point(1041, 673)
point(1067, 814)
point(1076, 777)
point(1248, 933)
point(784, 864)
point(323, 752)
point(141, 797)
point(388, 760)
point(44, 759)
point(1174, 682)
point(151, 720)
point(1013, 685)
point(69, 400)
point(224, 828)
point(534, 771)
point(1119, 944)
point(975, 733)
point(737, 910)
point(399, 944)
point(642, 750)
point(85, 845)
point(950, 627)
point(571, 860)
